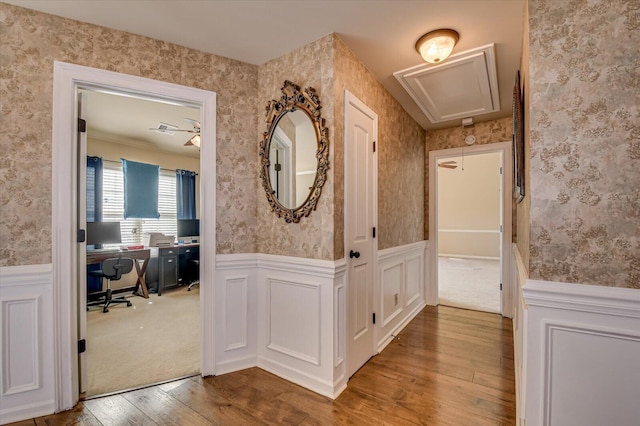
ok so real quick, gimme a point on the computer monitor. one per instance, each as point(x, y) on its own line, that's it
point(99, 233)
point(188, 228)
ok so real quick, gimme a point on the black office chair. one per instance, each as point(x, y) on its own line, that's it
point(196, 265)
point(112, 269)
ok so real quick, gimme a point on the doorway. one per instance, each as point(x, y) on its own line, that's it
point(68, 79)
point(151, 339)
point(470, 227)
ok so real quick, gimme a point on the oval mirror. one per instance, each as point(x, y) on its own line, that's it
point(294, 153)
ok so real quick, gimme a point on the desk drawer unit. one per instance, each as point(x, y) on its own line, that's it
point(177, 265)
point(168, 268)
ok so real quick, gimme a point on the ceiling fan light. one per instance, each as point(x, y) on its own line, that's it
point(195, 140)
point(436, 46)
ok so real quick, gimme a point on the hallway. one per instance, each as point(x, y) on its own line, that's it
point(448, 367)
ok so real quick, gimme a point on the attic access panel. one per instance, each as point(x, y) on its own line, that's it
point(465, 85)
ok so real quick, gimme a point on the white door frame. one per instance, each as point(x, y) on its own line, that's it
point(505, 149)
point(350, 98)
point(68, 78)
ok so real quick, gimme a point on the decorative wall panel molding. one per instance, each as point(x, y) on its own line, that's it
point(582, 345)
point(236, 306)
point(393, 279)
point(401, 284)
point(299, 301)
point(20, 344)
point(26, 309)
point(293, 315)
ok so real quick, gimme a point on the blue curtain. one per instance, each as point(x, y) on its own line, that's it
point(94, 189)
point(185, 194)
point(140, 190)
point(94, 211)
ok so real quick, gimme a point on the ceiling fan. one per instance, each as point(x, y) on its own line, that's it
point(448, 164)
point(170, 129)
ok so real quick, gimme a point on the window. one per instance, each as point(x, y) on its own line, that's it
point(133, 230)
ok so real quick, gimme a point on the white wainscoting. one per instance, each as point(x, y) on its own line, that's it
point(285, 315)
point(301, 325)
point(26, 309)
point(582, 347)
point(236, 312)
point(519, 277)
point(401, 283)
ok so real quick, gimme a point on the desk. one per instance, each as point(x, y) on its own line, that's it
point(97, 256)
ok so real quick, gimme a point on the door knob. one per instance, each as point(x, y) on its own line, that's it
point(353, 254)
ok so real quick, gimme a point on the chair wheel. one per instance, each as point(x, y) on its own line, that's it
point(105, 310)
point(128, 303)
point(189, 289)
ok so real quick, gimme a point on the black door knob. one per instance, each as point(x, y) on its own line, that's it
point(353, 254)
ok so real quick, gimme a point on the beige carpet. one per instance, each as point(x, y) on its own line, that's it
point(469, 283)
point(155, 340)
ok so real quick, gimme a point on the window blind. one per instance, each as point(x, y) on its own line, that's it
point(133, 230)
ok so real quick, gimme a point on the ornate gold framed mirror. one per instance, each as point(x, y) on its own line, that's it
point(294, 153)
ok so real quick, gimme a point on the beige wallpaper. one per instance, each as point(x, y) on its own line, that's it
point(400, 155)
point(312, 237)
point(494, 131)
point(330, 67)
point(585, 141)
point(31, 41)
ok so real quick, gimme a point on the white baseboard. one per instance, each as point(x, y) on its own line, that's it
point(236, 365)
point(26, 411)
point(328, 389)
point(388, 338)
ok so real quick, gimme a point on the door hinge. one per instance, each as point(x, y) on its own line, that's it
point(374, 317)
point(82, 346)
point(80, 238)
point(82, 125)
point(500, 170)
point(500, 228)
point(500, 286)
point(374, 232)
point(374, 146)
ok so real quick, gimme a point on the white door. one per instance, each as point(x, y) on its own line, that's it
point(361, 125)
point(81, 188)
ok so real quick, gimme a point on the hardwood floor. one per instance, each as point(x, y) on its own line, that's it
point(448, 367)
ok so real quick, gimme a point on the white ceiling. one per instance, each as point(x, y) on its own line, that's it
point(382, 33)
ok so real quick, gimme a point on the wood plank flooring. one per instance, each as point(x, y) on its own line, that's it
point(448, 367)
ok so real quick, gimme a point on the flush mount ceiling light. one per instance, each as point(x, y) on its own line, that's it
point(436, 46)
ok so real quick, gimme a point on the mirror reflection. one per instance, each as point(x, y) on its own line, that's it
point(294, 153)
point(292, 158)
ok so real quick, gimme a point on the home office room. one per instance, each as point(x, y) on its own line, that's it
point(142, 319)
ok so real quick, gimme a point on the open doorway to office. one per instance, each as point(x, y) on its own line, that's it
point(470, 227)
point(69, 79)
point(134, 337)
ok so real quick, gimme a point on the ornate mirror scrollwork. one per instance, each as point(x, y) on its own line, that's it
point(294, 153)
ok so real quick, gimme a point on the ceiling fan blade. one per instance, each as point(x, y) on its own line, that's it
point(194, 123)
